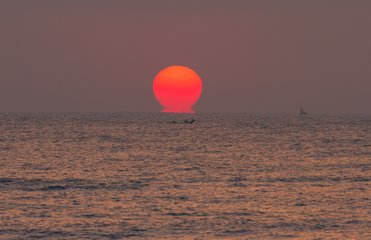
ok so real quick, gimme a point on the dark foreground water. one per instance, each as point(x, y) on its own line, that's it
point(140, 176)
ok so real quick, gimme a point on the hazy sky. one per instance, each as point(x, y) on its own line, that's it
point(253, 56)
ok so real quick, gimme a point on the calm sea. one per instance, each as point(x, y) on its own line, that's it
point(152, 176)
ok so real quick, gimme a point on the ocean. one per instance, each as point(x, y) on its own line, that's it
point(153, 176)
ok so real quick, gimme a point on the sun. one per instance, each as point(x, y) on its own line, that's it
point(177, 89)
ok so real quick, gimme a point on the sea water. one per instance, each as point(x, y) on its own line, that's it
point(152, 176)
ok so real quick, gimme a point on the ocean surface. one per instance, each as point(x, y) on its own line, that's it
point(152, 176)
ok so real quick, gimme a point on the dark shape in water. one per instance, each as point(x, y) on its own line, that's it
point(302, 112)
point(189, 120)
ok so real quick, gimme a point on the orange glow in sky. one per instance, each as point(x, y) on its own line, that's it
point(177, 88)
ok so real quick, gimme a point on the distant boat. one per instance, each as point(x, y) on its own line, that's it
point(302, 112)
point(189, 121)
point(185, 121)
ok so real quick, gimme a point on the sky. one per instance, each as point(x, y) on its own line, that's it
point(258, 56)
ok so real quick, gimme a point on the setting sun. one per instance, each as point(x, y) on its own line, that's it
point(177, 88)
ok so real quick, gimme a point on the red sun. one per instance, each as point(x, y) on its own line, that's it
point(177, 88)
